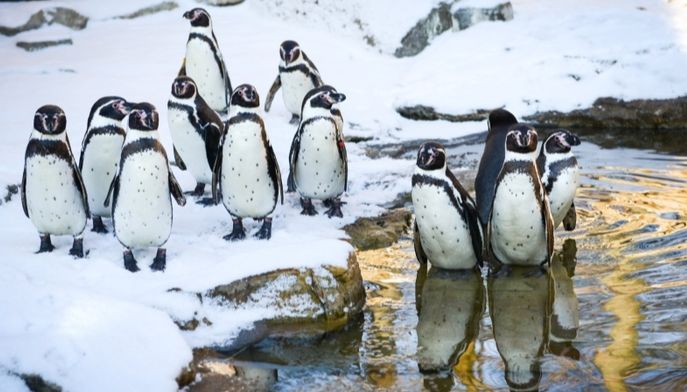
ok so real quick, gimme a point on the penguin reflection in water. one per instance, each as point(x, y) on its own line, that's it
point(520, 226)
point(318, 161)
point(141, 203)
point(247, 171)
point(53, 195)
point(447, 228)
point(100, 150)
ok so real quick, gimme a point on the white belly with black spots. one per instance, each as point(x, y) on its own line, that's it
point(52, 196)
point(563, 193)
point(518, 233)
point(190, 146)
point(143, 212)
point(202, 67)
point(294, 86)
point(247, 189)
point(319, 169)
point(100, 163)
point(444, 235)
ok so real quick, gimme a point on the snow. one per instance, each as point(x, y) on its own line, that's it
point(91, 325)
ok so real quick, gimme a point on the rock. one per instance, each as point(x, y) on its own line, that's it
point(379, 232)
point(613, 113)
point(36, 383)
point(221, 3)
point(10, 191)
point(408, 149)
point(60, 15)
point(324, 297)
point(153, 9)
point(427, 113)
point(466, 17)
point(440, 19)
point(38, 45)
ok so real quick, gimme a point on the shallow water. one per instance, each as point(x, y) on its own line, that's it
point(611, 314)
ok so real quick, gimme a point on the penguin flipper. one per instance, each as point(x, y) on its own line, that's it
point(471, 217)
point(548, 225)
point(276, 85)
point(216, 175)
point(78, 180)
point(293, 158)
point(417, 244)
point(112, 191)
point(175, 189)
point(343, 155)
point(182, 70)
point(273, 168)
point(177, 159)
point(570, 219)
point(23, 194)
point(212, 129)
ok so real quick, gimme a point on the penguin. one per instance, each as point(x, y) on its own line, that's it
point(247, 171)
point(53, 194)
point(140, 193)
point(499, 122)
point(100, 150)
point(447, 229)
point(560, 176)
point(520, 225)
point(204, 62)
point(297, 75)
point(565, 314)
point(196, 131)
point(317, 161)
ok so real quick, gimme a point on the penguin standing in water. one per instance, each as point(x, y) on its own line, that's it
point(447, 228)
point(560, 176)
point(204, 63)
point(53, 195)
point(317, 161)
point(297, 75)
point(520, 226)
point(196, 130)
point(500, 121)
point(100, 150)
point(141, 203)
point(247, 172)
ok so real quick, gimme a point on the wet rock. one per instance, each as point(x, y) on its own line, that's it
point(613, 113)
point(221, 3)
point(153, 9)
point(10, 191)
point(60, 15)
point(408, 149)
point(325, 297)
point(427, 113)
point(441, 19)
point(379, 232)
point(38, 45)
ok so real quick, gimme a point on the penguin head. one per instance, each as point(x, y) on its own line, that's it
point(245, 96)
point(323, 97)
point(184, 87)
point(199, 17)
point(289, 51)
point(500, 118)
point(50, 120)
point(143, 117)
point(560, 141)
point(431, 156)
point(521, 139)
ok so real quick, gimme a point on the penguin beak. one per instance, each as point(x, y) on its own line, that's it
point(333, 98)
point(572, 140)
point(123, 107)
point(531, 139)
point(52, 125)
point(188, 15)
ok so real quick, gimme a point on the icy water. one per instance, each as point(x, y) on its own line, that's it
point(611, 314)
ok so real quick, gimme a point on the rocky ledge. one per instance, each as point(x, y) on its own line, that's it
point(60, 15)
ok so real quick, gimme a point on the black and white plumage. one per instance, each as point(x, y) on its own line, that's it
point(318, 161)
point(53, 194)
point(247, 171)
point(565, 315)
point(500, 121)
point(196, 131)
point(100, 151)
point(204, 62)
point(297, 76)
point(520, 226)
point(560, 176)
point(447, 228)
point(141, 203)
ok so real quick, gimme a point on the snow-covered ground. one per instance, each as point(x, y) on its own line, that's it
point(90, 325)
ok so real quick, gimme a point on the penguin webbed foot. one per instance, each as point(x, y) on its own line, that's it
point(308, 207)
point(334, 208)
point(99, 226)
point(160, 260)
point(536, 272)
point(206, 202)
point(265, 232)
point(198, 191)
point(77, 248)
point(499, 270)
point(130, 262)
point(237, 233)
point(295, 119)
point(46, 244)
